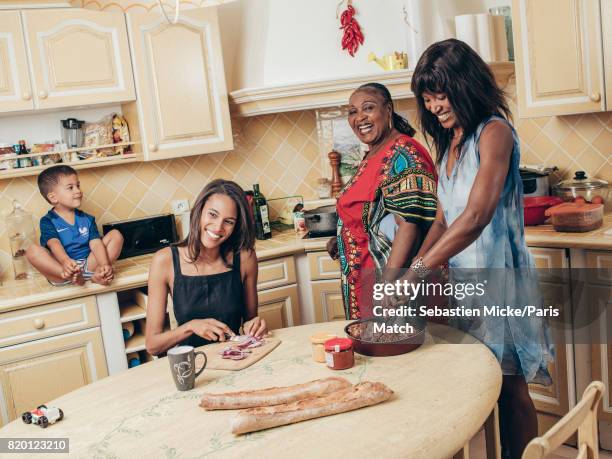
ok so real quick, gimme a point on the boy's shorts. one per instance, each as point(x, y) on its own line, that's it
point(86, 274)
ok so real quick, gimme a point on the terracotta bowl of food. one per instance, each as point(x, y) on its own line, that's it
point(376, 344)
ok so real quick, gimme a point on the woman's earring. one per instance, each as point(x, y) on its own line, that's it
point(391, 123)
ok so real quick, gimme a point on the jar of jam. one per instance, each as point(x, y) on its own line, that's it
point(318, 345)
point(339, 353)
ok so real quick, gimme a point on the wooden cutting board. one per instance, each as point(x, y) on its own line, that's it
point(215, 362)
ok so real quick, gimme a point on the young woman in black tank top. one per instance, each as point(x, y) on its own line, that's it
point(211, 275)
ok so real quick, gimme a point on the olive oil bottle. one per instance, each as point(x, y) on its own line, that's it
point(262, 219)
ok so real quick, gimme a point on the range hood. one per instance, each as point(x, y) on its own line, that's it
point(285, 55)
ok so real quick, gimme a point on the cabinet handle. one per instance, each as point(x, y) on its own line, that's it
point(595, 97)
point(39, 323)
point(43, 94)
point(154, 147)
point(26, 96)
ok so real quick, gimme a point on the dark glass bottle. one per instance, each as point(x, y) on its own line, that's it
point(262, 219)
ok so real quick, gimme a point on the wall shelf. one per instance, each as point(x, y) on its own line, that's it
point(78, 164)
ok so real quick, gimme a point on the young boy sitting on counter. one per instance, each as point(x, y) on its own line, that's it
point(71, 250)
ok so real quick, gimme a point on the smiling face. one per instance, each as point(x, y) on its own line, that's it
point(369, 116)
point(218, 220)
point(438, 104)
point(67, 192)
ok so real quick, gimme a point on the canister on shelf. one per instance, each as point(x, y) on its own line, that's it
point(133, 359)
point(339, 353)
point(318, 345)
point(128, 330)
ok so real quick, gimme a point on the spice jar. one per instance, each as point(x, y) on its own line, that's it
point(339, 353)
point(324, 188)
point(318, 345)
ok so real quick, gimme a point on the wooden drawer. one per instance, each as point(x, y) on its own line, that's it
point(601, 264)
point(547, 258)
point(275, 273)
point(322, 266)
point(48, 320)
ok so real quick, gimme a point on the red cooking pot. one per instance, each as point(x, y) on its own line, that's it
point(534, 208)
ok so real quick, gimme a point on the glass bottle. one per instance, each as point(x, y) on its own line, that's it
point(22, 234)
point(262, 218)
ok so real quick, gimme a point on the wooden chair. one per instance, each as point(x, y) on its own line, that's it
point(582, 418)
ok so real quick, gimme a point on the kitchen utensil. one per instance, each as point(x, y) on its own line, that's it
point(183, 366)
point(386, 348)
point(72, 132)
point(582, 186)
point(534, 208)
point(576, 217)
point(322, 219)
point(535, 180)
point(215, 362)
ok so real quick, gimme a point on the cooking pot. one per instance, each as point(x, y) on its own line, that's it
point(535, 180)
point(322, 220)
point(585, 187)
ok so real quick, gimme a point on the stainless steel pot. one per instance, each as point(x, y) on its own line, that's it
point(535, 180)
point(322, 220)
point(583, 186)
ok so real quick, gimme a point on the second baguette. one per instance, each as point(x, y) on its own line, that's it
point(348, 399)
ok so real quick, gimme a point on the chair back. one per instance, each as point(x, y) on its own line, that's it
point(581, 418)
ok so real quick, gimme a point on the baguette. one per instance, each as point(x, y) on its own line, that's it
point(340, 401)
point(272, 395)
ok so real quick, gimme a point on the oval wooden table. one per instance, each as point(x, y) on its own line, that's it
point(443, 394)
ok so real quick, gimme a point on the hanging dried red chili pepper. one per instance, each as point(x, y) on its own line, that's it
point(352, 37)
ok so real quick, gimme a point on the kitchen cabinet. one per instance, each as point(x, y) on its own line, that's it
point(277, 293)
point(325, 287)
point(15, 91)
point(560, 56)
point(182, 97)
point(552, 402)
point(600, 291)
point(78, 57)
point(47, 351)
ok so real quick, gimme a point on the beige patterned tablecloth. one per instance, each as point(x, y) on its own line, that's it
point(443, 394)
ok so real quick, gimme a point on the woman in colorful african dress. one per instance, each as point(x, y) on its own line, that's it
point(387, 207)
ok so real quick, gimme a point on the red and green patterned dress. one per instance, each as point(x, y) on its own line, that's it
point(399, 179)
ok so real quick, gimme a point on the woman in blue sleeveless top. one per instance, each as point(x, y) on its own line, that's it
point(479, 224)
point(211, 274)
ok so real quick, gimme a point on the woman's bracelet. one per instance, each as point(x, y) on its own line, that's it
point(420, 269)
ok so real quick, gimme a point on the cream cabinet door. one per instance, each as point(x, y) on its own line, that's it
point(559, 60)
point(327, 298)
point(15, 91)
point(182, 96)
point(35, 373)
point(78, 57)
point(279, 307)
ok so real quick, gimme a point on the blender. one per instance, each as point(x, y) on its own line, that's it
point(72, 132)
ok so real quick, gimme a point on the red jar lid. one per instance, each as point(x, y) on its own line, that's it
point(338, 344)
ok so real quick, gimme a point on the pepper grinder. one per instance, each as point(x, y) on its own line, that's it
point(336, 182)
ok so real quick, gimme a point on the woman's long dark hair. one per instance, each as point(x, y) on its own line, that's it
point(243, 235)
point(453, 68)
point(399, 122)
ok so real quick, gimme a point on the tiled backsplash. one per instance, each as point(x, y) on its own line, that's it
point(281, 153)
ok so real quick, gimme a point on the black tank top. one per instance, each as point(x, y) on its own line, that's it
point(213, 296)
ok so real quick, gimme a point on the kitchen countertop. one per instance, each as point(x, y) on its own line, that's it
point(133, 272)
point(139, 413)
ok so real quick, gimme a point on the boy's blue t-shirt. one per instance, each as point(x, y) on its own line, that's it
point(74, 238)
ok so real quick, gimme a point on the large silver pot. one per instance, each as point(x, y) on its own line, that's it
point(322, 220)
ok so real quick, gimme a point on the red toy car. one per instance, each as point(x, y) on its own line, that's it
point(43, 416)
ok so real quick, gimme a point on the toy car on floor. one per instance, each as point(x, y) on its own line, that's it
point(43, 416)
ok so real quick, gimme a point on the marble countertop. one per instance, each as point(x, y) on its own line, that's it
point(133, 272)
